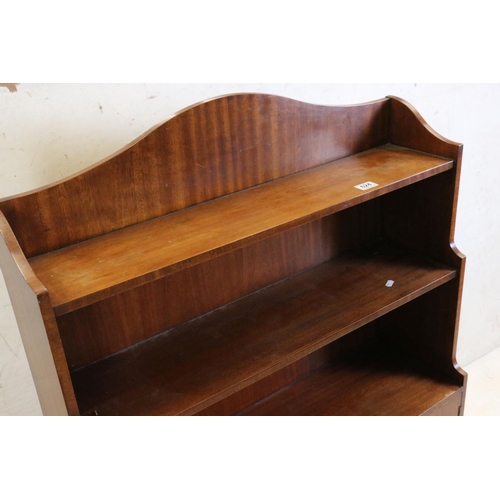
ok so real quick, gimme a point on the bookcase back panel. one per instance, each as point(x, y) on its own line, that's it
point(207, 151)
point(421, 217)
point(106, 327)
point(427, 328)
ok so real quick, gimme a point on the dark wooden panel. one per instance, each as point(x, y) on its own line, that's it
point(421, 217)
point(201, 362)
point(210, 150)
point(427, 328)
point(381, 382)
point(83, 274)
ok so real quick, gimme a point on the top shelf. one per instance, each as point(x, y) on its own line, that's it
point(90, 271)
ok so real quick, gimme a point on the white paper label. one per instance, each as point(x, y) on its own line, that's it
point(389, 284)
point(366, 186)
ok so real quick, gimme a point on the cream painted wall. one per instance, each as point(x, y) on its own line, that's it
point(50, 131)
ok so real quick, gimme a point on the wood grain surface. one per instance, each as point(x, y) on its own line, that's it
point(94, 270)
point(380, 382)
point(111, 325)
point(207, 151)
point(225, 262)
point(201, 362)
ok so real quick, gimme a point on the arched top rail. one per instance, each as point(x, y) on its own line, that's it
point(207, 151)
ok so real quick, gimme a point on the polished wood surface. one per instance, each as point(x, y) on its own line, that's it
point(199, 363)
point(225, 263)
point(108, 326)
point(380, 382)
point(207, 151)
point(94, 270)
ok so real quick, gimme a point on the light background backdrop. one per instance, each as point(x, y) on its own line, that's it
point(50, 131)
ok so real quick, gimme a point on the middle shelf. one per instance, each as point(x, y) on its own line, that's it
point(200, 362)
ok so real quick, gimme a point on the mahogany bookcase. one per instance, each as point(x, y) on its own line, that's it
point(252, 255)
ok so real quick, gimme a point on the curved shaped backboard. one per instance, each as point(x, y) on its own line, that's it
point(209, 150)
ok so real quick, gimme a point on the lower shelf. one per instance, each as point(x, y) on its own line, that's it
point(376, 383)
point(201, 362)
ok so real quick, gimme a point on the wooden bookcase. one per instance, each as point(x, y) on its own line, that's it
point(229, 262)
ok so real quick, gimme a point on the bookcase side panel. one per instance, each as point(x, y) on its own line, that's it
point(38, 329)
